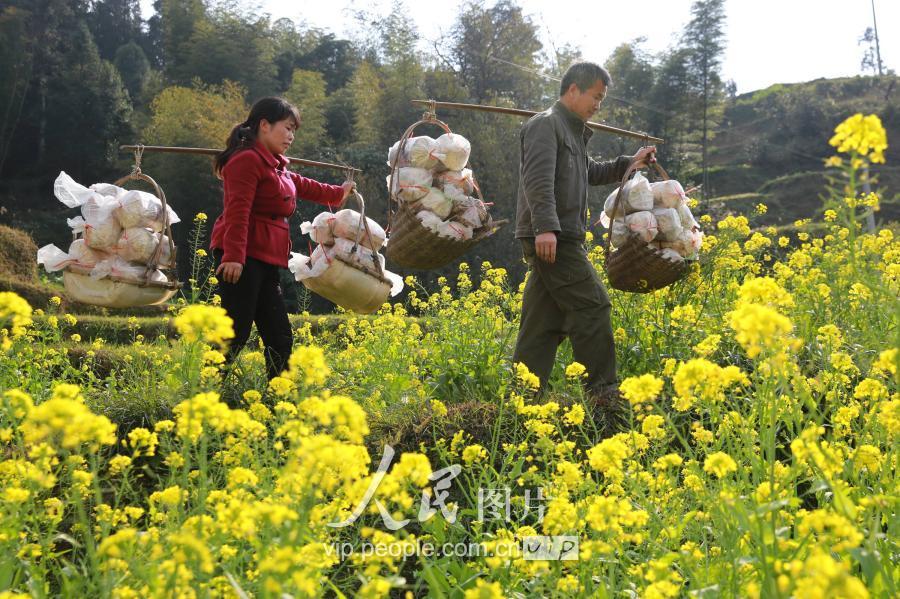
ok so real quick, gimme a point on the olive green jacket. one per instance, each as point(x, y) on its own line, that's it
point(554, 173)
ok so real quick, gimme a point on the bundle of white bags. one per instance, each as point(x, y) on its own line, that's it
point(657, 213)
point(431, 177)
point(118, 231)
point(343, 235)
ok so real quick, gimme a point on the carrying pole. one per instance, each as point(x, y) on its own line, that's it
point(213, 152)
point(431, 104)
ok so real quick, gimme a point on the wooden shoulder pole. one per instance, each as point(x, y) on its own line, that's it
point(213, 152)
point(529, 113)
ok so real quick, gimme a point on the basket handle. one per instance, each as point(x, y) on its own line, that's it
point(137, 174)
point(632, 168)
point(428, 118)
point(363, 226)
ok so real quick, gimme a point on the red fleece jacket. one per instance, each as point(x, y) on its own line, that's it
point(260, 196)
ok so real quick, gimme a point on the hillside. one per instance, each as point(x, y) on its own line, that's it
point(772, 142)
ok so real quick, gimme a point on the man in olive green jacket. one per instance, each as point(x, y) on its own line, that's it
point(564, 297)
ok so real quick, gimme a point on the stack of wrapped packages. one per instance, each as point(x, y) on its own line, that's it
point(432, 179)
point(342, 235)
point(116, 235)
point(658, 214)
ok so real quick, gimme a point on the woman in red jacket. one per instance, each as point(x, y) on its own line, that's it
point(251, 239)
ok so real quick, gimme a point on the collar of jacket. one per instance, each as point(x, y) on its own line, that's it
point(275, 161)
point(574, 121)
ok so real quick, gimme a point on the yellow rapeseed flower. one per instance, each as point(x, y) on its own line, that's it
point(307, 365)
point(210, 324)
point(720, 464)
point(576, 370)
point(863, 135)
point(641, 389)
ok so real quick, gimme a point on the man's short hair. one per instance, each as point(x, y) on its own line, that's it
point(584, 75)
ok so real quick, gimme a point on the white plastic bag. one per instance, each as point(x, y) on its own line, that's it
point(418, 152)
point(668, 194)
point(108, 189)
point(608, 208)
point(671, 255)
point(448, 229)
point(70, 193)
point(347, 224)
point(411, 183)
point(455, 183)
point(100, 234)
point(429, 220)
point(668, 224)
point(638, 196)
point(453, 151)
point(470, 211)
point(687, 219)
point(319, 230)
point(309, 267)
point(437, 202)
point(118, 267)
point(687, 244)
point(141, 209)
point(455, 230)
point(357, 254)
point(642, 224)
point(137, 244)
point(619, 233)
point(80, 255)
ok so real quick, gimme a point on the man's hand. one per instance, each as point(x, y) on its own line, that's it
point(545, 247)
point(348, 187)
point(644, 157)
point(230, 271)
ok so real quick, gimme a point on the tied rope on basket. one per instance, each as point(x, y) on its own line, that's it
point(635, 266)
point(411, 243)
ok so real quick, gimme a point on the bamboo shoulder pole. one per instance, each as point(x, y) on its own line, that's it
point(530, 113)
point(213, 152)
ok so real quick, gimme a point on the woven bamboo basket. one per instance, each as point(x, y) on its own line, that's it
point(362, 288)
point(119, 292)
point(634, 266)
point(410, 243)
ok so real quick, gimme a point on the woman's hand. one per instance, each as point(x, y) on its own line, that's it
point(230, 271)
point(348, 187)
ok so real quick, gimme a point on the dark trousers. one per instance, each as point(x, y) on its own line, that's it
point(257, 297)
point(566, 299)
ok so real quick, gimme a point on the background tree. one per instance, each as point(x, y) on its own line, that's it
point(704, 38)
point(366, 91)
point(488, 44)
point(16, 63)
point(173, 28)
point(84, 138)
point(307, 92)
point(230, 46)
point(114, 23)
point(133, 67)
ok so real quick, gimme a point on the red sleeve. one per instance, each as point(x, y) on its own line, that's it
point(320, 193)
point(241, 177)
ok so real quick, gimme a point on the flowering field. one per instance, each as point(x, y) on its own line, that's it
point(404, 454)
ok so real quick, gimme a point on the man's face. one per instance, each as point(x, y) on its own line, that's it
point(586, 103)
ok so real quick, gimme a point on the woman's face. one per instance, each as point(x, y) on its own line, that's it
point(277, 137)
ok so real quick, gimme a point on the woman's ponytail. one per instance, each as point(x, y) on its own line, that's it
point(243, 135)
